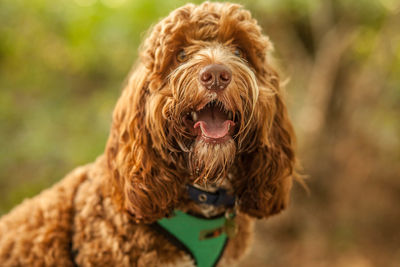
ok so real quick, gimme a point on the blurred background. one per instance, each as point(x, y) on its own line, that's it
point(63, 63)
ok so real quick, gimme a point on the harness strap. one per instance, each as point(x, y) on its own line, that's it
point(203, 239)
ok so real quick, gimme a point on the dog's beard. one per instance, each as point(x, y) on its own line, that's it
point(209, 162)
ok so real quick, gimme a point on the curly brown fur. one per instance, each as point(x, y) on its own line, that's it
point(99, 215)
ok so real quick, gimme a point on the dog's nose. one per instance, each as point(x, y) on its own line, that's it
point(215, 77)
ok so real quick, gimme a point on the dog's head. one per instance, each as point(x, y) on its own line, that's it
point(202, 102)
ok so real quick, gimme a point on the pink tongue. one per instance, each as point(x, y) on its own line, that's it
point(213, 123)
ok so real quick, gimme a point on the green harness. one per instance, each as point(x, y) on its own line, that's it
point(204, 239)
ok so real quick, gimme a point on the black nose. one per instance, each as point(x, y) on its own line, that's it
point(215, 77)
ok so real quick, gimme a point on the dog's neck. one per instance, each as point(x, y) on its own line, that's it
point(214, 187)
point(210, 210)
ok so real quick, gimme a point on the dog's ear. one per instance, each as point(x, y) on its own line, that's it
point(142, 183)
point(266, 172)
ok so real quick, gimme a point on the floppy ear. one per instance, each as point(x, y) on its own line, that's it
point(266, 172)
point(142, 183)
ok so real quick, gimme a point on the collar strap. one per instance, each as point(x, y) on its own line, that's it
point(220, 197)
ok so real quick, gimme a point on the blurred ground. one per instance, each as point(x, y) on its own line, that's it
point(62, 64)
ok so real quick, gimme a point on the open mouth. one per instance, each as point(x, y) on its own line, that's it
point(213, 122)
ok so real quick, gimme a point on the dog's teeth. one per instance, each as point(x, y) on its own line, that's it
point(194, 116)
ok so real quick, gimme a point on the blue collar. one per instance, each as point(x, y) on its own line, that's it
point(220, 197)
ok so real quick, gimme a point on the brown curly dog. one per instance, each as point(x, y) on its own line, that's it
point(200, 145)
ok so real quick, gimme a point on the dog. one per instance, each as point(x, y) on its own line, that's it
point(200, 146)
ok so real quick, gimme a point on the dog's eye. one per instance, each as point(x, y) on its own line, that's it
point(238, 52)
point(181, 56)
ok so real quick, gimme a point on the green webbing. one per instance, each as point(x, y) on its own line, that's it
point(187, 228)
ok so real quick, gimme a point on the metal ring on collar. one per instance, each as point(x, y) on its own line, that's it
point(202, 197)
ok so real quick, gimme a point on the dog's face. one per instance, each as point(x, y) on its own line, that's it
point(211, 93)
point(214, 97)
point(202, 100)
